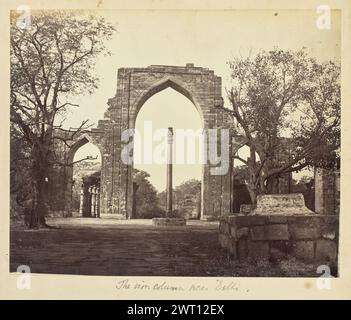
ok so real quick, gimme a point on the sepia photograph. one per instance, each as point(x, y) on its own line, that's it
point(175, 143)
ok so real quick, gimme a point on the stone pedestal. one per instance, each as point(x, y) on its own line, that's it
point(168, 222)
point(81, 201)
point(281, 204)
point(281, 227)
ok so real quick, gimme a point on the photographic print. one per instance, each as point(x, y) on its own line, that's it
point(175, 142)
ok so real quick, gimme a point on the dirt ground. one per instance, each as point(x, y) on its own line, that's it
point(88, 246)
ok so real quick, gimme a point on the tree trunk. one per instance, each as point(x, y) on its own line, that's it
point(39, 183)
point(272, 184)
point(253, 194)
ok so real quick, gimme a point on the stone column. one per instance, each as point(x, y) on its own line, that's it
point(97, 202)
point(169, 172)
point(198, 206)
point(135, 189)
point(92, 203)
point(89, 202)
point(81, 200)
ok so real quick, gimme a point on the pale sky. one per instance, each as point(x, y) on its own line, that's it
point(207, 39)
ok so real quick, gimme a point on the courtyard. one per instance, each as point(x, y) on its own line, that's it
point(87, 246)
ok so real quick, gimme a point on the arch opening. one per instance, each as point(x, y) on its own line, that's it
point(165, 107)
point(163, 85)
point(85, 184)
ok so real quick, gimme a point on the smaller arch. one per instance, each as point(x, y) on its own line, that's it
point(82, 140)
point(160, 86)
point(70, 185)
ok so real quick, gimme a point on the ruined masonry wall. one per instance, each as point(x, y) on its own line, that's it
point(312, 238)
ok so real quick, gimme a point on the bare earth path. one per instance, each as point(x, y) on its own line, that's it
point(135, 248)
point(119, 247)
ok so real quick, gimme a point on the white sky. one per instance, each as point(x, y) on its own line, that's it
point(205, 38)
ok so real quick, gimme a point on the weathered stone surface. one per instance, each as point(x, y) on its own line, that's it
point(270, 232)
point(245, 221)
point(277, 232)
point(304, 228)
point(326, 250)
point(329, 220)
point(258, 233)
point(282, 204)
point(242, 233)
point(277, 219)
point(258, 250)
point(304, 220)
point(303, 250)
point(307, 238)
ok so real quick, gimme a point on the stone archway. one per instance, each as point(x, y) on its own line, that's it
point(67, 157)
point(134, 87)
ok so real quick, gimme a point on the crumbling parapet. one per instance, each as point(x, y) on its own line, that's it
point(266, 234)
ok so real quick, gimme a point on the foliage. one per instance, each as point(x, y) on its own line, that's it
point(286, 105)
point(186, 198)
point(19, 164)
point(146, 196)
point(241, 173)
point(51, 60)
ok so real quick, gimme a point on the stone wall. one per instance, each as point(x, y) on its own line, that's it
point(327, 191)
point(310, 238)
point(60, 184)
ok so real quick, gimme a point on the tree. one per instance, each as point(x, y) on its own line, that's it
point(146, 202)
point(51, 61)
point(241, 173)
point(20, 191)
point(306, 186)
point(286, 107)
point(186, 198)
